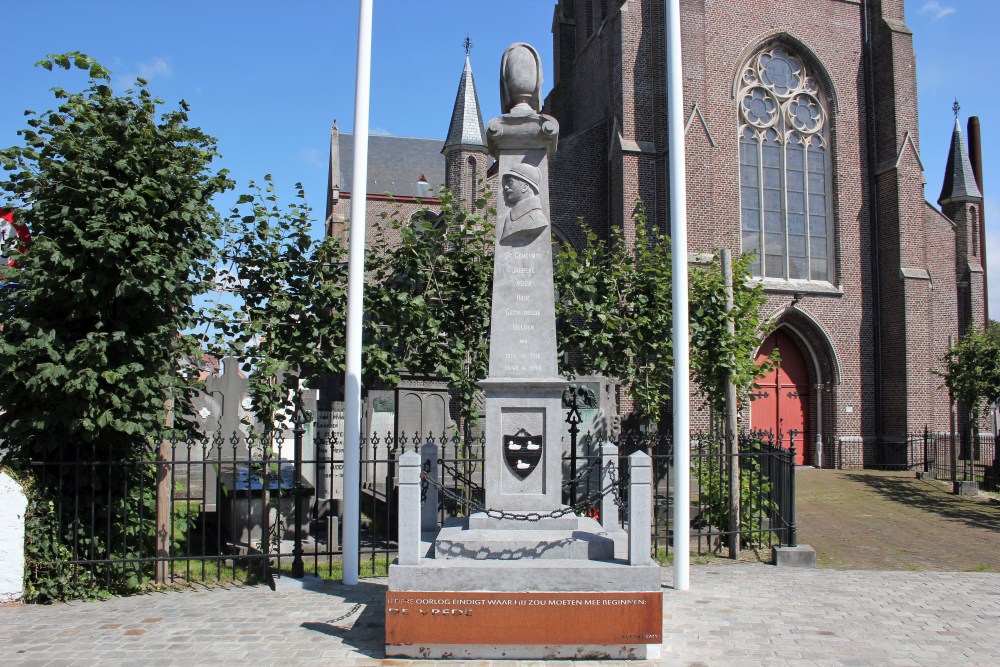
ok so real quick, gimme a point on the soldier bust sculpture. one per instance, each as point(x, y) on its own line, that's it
point(525, 218)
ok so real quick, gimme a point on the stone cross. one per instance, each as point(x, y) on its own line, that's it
point(523, 390)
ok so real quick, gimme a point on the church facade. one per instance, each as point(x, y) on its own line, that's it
point(802, 146)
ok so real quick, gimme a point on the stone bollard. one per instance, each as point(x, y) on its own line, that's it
point(409, 509)
point(429, 504)
point(639, 508)
point(609, 509)
point(13, 504)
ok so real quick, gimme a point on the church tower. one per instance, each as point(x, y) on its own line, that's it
point(962, 202)
point(465, 149)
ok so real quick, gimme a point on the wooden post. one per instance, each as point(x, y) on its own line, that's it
point(164, 484)
point(731, 431)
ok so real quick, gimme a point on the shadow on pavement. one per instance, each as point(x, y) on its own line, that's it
point(930, 498)
point(362, 627)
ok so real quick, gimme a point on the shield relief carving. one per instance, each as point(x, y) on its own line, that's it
point(522, 452)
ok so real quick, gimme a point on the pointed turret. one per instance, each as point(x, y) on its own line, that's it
point(466, 155)
point(959, 179)
point(466, 129)
point(961, 201)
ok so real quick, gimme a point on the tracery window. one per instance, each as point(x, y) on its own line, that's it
point(784, 168)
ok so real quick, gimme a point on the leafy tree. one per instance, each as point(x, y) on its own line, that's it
point(614, 312)
point(287, 321)
point(972, 371)
point(117, 196)
point(428, 300)
point(717, 356)
point(615, 316)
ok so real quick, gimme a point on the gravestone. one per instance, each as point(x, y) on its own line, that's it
point(524, 576)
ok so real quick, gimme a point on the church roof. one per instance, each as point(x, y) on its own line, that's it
point(959, 181)
point(401, 166)
point(466, 128)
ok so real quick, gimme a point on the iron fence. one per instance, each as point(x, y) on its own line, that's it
point(229, 507)
point(764, 513)
point(962, 458)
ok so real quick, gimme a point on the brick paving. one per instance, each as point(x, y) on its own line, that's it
point(734, 614)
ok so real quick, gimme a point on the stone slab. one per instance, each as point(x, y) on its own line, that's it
point(965, 488)
point(480, 521)
point(506, 545)
point(507, 652)
point(464, 574)
point(801, 555)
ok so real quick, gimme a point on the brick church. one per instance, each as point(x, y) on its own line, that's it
point(802, 146)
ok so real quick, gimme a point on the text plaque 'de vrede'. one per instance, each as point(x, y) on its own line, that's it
point(523, 618)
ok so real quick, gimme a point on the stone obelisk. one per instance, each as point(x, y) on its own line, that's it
point(523, 390)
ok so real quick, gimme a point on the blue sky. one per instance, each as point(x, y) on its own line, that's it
point(267, 78)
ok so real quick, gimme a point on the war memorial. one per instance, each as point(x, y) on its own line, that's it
point(524, 576)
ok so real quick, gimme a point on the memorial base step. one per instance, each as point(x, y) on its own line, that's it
point(518, 541)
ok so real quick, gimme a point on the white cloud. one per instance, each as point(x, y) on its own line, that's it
point(936, 9)
point(155, 69)
point(379, 132)
point(312, 157)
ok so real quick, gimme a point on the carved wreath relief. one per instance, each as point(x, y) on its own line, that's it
point(522, 451)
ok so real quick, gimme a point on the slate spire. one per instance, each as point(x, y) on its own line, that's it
point(959, 179)
point(466, 129)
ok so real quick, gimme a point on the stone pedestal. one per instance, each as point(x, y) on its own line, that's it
point(801, 555)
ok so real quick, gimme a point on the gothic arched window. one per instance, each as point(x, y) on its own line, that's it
point(785, 168)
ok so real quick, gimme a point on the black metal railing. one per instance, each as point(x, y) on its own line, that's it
point(228, 507)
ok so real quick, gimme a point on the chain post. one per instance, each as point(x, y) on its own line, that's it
point(573, 419)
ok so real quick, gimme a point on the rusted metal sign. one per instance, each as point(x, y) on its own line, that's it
point(523, 618)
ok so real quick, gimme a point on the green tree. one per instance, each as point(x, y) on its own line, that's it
point(615, 314)
point(972, 371)
point(718, 356)
point(428, 299)
point(117, 196)
point(286, 321)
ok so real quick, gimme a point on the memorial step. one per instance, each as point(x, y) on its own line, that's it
point(588, 542)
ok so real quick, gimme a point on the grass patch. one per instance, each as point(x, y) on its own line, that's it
point(333, 569)
point(663, 557)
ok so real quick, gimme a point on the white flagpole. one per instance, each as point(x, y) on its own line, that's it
point(678, 235)
point(355, 301)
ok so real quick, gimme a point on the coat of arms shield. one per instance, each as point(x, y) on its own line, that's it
point(522, 451)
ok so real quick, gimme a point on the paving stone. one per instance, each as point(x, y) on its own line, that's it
point(746, 614)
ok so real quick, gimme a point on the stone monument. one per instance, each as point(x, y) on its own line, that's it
point(524, 576)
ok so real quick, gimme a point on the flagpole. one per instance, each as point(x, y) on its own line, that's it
point(678, 235)
point(355, 301)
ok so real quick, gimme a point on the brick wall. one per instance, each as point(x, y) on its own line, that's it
point(835, 323)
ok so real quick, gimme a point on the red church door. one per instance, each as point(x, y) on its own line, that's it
point(781, 401)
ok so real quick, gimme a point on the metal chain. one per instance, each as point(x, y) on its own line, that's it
point(455, 473)
point(583, 474)
point(612, 488)
point(424, 479)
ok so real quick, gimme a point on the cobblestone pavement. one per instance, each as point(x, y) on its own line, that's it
point(734, 614)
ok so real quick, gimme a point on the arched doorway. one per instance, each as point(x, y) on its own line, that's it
point(781, 401)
